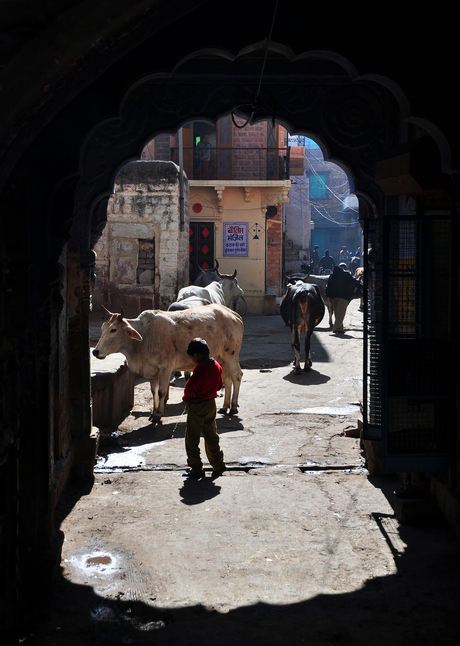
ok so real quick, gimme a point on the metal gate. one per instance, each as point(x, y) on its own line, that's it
point(408, 394)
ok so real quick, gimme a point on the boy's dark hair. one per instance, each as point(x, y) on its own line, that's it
point(198, 346)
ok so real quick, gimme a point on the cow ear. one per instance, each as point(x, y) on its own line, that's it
point(133, 334)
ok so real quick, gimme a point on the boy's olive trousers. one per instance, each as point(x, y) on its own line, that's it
point(201, 420)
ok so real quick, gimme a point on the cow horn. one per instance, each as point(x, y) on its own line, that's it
point(233, 275)
point(122, 312)
point(108, 312)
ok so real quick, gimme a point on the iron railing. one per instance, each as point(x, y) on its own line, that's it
point(205, 163)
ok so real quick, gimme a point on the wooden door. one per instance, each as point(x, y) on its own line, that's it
point(201, 247)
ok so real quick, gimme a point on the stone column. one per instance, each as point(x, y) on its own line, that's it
point(85, 437)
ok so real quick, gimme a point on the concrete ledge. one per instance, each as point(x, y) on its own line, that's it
point(112, 388)
point(373, 453)
point(270, 302)
point(416, 511)
point(85, 452)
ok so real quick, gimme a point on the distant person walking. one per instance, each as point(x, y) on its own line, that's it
point(315, 258)
point(341, 288)
point(327, 263)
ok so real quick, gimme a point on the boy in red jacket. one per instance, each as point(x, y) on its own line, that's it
point(199, 394)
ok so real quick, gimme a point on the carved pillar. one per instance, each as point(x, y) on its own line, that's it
point(220, 204)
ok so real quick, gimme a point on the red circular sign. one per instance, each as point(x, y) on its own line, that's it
point(197, 208)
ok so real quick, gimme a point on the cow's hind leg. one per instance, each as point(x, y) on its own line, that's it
point(154, 385)
point(160, 391)
point(236, 383)
point(295, 342)
point(307, 351)
point(227, 379)
point(236, 376)
point(232, 376)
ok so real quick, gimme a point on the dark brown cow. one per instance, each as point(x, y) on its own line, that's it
point(302, 308)
point(207, 276)
point(321, 282)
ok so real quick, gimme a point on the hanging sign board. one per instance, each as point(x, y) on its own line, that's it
point(235, 239)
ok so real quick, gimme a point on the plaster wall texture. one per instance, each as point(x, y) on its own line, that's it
point(261, 267)
point(298, 214)
point(144, 209)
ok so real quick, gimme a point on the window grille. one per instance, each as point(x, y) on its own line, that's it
point(408, 398)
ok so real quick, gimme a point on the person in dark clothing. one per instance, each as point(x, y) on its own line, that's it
point(315, 258)
point(327, 262)
point(341, 288)
point(199, 394)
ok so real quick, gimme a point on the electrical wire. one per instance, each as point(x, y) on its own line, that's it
point(314, 172)
point(256, 102)
point(266, 49)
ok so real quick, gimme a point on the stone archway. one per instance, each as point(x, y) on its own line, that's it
point(363, 123)
point(359, 119)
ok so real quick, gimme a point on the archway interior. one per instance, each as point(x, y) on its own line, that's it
point(362, 120)
point(319, 209)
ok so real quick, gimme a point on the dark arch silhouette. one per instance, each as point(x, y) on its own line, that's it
point(356, 119)
point(80, 98)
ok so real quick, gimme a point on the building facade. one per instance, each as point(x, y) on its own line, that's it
point(239, 181)
point(334, 211)
point(142, 254)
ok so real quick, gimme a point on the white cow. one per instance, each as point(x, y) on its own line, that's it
point(229, 283)
point(155, 344)
point(214, 293)
point(232, 290)
point(187, 303)
point(223, 291)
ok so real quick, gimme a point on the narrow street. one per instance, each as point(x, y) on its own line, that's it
point(293, 544)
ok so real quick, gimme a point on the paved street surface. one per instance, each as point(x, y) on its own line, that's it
point(294, 544)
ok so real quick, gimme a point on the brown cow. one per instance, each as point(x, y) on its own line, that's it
point(302, 308)
point(155, 345)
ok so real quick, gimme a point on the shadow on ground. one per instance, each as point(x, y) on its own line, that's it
point(416, 606)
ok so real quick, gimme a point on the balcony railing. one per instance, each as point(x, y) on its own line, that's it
point(234, 163)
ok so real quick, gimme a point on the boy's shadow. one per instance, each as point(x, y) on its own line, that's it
point(194, 492)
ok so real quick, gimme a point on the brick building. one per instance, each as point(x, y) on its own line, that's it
point(235, 172)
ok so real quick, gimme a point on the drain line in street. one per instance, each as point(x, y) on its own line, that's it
point(305, 468)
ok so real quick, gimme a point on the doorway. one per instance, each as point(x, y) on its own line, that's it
point(201, 248)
